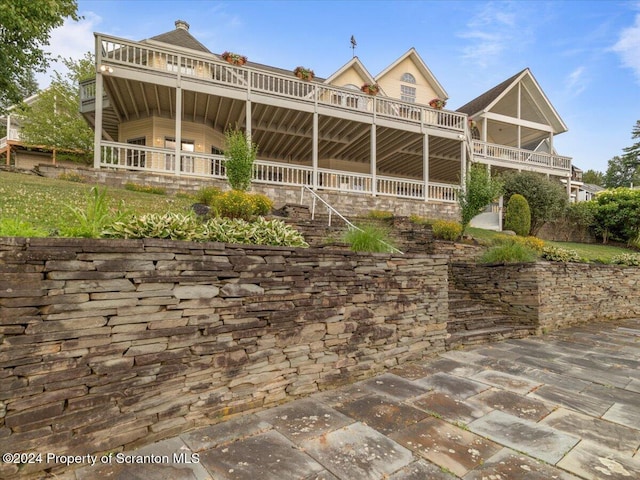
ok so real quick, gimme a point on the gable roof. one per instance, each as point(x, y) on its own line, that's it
point(488, 99)
point(357, 65)
point(422, 67)
point(180, 37)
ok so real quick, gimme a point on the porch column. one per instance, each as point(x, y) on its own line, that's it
point(247, 121)
point(569, 183)
point(374, 182)
point(425, 165)
point(463, 166)
point(97, 133)
point(178, 129)
point(314, 152)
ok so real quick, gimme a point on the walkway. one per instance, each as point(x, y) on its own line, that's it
point(561, 406)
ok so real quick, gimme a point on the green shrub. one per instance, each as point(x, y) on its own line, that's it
point(239, 204)
point(509, 252)
point(12, 227)
point(233, 204)
point(262, 204)
point(177, 226)
point(136, 187)
point(380, 215)
point(631, 259)
point(557, 254)
point(534, 243)
point(518, 216)
point(207, 195)
point(240, 154)
point(446, 230)
point(368, 238)
point(480, 190)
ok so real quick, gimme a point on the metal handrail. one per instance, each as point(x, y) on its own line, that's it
point(315, 196)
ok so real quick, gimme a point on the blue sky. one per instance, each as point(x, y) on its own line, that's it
point(584, 54)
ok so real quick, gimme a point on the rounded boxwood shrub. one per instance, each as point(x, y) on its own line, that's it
point(518, 215)
point(446, 230)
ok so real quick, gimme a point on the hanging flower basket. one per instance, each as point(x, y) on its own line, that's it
point(370, 88)
point(303, 73)
point(437, 103)
point(234, 58)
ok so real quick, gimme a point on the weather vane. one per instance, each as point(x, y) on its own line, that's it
point(353, 46)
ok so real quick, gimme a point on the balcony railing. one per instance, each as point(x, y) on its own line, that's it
point(514, 157)
point(159, 160)
point(116, 52)
point(12, 134)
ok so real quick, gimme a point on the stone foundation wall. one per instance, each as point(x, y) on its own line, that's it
point(550, 295)
point(348, 204)
point(109, 344)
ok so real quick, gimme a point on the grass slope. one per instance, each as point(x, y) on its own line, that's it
point(45, 202)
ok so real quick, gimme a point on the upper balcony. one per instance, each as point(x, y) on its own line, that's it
point(207, 74)
point(519, 158)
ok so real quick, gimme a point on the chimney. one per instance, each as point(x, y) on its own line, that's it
point(182, 24)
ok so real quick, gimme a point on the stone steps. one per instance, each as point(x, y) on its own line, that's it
point(485, 335)
point(473, 321)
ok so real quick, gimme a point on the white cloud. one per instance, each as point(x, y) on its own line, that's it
point(575, 83)
point(492, 31)
point(628, 47)
point(71, 40)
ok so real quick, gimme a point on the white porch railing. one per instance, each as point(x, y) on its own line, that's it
point(115, 51)
point(12, 134)
point(511, 156)
point(159, 160)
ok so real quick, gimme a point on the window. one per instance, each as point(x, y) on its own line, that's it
point(186, 164)
point(408, 78)
point(173, 67)
point(408, 94)
point(135, 157)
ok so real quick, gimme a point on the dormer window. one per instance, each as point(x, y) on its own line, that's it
point(408, 78)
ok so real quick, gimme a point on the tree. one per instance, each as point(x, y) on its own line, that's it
point(593, 177)
point(632, 153)
point(547, 199)
point(480, 190)
point(25, 27)
point(621, 172)
point(240, 154)
point(518, 215)
point(53, 120)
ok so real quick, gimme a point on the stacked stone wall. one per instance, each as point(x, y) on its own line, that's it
point(109, 344)
point(549, 296)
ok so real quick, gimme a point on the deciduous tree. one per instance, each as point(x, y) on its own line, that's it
point(25, 27)
point(54, 120)
point(547, 199)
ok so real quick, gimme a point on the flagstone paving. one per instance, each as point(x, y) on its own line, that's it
point(562, 406)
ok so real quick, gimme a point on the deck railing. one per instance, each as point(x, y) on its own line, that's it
point(115, 51)
point(159, 160)
point(518, 156)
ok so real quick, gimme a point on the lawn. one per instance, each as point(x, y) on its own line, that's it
point(46, 203)
point(594, 252)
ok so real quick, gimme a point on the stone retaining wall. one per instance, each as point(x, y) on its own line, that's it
point(109, 344)
point(348, 204)
point(548, 295)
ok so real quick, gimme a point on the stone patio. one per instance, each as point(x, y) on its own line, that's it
point(561, 406)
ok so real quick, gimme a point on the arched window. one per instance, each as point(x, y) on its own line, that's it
point(407, 77)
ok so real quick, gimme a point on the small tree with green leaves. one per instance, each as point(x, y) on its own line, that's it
point(518, 215)
point(480, 190)
point(547, 199)
point(240, 154)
